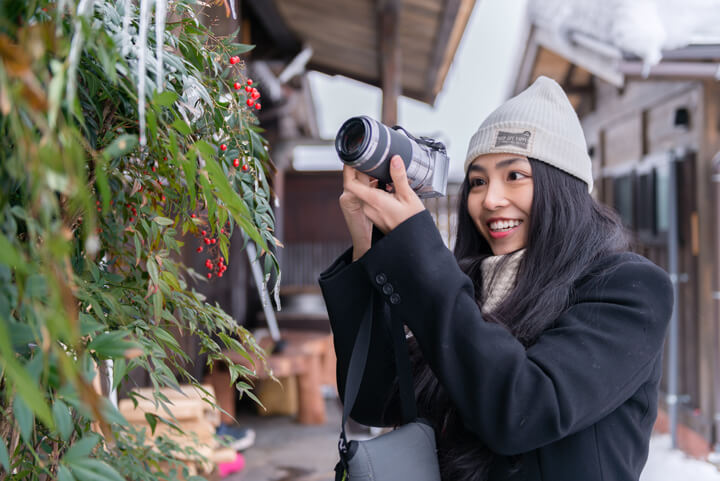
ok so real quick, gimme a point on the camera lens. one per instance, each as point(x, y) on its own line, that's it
point(352, 138)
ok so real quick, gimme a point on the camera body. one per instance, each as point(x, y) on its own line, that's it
point(367, 145)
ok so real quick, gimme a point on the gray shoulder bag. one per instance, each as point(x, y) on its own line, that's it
point(406, 453)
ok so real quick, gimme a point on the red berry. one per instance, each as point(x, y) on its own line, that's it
point(132, 219)
point(222, 231)
point(236, 162)
point(234, 59)
point(255, 94)
point(199, 249)
point(220, 274)
point(237, 85)
point(203, 233)
point(250, 102)
point(163, 198)
point(97, 202)
point(209, 276)
point(249, 82)
point(223, 147)
point(245, 167)
point(209, 265)
point(212, 241)
point(248, 89)
point(207, 241)
point(164, 158)
point(153, 168)
point(192, 215)
point(258, 106)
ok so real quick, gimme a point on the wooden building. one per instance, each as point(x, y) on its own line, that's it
point(643, 133)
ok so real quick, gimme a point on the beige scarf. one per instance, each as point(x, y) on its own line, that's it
point(496, 285)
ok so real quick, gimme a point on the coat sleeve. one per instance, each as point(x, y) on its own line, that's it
point(596, 355)
point(346, 291)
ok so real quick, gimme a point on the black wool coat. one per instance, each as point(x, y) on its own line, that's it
point(578, 405)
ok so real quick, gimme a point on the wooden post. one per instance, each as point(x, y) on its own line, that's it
point(390, 58)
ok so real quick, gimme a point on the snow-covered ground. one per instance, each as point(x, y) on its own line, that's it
point(666, 464)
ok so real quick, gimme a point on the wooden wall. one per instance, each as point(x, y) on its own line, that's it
point(632, 133)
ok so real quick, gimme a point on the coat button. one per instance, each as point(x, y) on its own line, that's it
point(387, 289)
point(381, 278)
point(395, 298)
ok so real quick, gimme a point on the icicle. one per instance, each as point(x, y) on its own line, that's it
point(60, 13)
point(126, 41)
point(160, 15)
point(276, 292)
point(84, 9)
point(232, 9)
point(142, 47)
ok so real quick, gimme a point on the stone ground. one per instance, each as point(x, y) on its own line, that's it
point(285, 450)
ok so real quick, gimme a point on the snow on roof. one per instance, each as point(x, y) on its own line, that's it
point(642, 28)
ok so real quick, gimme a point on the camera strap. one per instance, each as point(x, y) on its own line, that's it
point(356, 368)
point(427, 141)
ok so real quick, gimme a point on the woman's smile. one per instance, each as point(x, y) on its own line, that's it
point(499, 228)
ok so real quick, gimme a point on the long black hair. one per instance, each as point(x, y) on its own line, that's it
point(568, 232)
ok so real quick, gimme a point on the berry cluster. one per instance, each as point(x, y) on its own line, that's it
point(219, 267)
point(252, 93)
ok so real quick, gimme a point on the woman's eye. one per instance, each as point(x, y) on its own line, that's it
point(477, 181)
point(516, 175)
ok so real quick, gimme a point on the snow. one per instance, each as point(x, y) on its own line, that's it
point(667, 464)
point(643, 28)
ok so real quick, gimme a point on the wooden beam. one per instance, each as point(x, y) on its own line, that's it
point(273, 22)
point(390, 58)
point(445, 27)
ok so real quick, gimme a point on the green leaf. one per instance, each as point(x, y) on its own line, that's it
point(10, 256)
point(21, 379)
point(4, 458)
point(153, 270)
point(152, 421)
point(181, 126)
point(165, 99)
point(120, 368)
point(189, 165)
point(120, 146)
point(82, 448)
point(163, 220)
point(240, 48)
point(64, 474)
point(138, 251)
point(207, 150)
point(24, 418)
point(63, 419)
point(94, 470)
point(111, 344)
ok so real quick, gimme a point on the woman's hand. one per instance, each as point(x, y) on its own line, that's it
point(385, 210)
point(358, 224)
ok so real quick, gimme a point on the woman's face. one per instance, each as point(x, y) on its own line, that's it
point(499, 200)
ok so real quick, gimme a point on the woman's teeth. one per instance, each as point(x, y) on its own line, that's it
point(504, 225)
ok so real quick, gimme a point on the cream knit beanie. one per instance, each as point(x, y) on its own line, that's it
point(540, 123)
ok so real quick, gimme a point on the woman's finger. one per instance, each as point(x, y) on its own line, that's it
point(399, 177)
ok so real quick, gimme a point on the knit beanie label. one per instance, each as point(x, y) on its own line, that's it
point(518, 139)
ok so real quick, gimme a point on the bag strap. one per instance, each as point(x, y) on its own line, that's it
point(358, 360)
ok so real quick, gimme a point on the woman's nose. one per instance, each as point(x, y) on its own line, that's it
point(495, 196)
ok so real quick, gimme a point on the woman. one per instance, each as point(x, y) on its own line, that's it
point(538, 346)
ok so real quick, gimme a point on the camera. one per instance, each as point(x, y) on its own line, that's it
point(367, 145)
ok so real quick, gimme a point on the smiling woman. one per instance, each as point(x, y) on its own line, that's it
point(537, 347)
point(499, 201)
